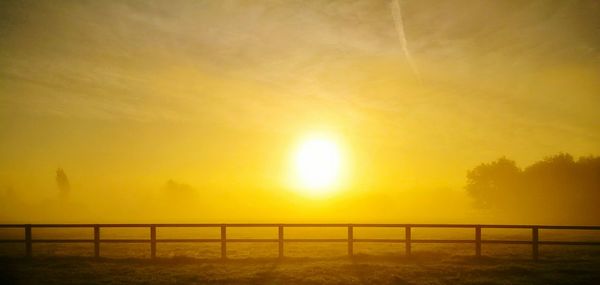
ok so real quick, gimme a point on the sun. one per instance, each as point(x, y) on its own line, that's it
point(317, 165)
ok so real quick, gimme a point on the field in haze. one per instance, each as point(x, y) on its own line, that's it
point(305, 263)
point(474, 112)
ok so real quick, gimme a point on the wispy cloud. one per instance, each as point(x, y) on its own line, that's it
point(399, 24)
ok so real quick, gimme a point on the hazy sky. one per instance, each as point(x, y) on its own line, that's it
point(127, 95)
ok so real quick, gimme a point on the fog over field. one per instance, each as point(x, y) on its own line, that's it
point(441, 141)
point(124, 111)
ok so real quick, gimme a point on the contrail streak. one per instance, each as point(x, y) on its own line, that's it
point(399, 23)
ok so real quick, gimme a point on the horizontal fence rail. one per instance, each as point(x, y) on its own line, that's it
point(535, 242)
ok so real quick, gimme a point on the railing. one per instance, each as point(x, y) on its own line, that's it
point(535, 242)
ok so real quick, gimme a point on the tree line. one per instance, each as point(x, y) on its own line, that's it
point(557, 189)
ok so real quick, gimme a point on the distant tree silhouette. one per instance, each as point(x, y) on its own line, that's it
point(62, 182)
point(177, 189)
point(557, 188)
point(488, 182)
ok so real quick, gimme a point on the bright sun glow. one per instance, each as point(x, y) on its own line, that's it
point(317, 164)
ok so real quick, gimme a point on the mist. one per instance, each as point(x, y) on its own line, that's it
point(190, 111)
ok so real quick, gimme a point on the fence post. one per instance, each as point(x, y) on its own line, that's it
point(153, 241)
point(478, 241)
point(280, 241)
point(223, 241)
point(534, 242)
point(28, 248)
point(350, 241)
point(96, 241)
point(407, 239)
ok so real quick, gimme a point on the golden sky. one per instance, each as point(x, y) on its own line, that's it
point(215, 95)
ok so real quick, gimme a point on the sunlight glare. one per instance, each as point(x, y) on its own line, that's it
point(317, 164)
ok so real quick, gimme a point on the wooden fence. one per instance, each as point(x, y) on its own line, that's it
point(535, 242)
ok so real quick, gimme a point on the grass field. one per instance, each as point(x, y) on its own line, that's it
point(305, 263)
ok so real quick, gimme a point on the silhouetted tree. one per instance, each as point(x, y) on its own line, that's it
point(178, 190)
point(488, 182)
point(62, 182)
point(557, 188)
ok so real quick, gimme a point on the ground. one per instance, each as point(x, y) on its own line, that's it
point(304, 263)
point(424, 268)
